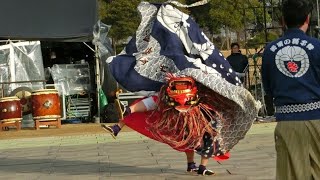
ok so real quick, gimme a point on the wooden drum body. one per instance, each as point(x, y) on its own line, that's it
point(10, 109)
point(45, 104)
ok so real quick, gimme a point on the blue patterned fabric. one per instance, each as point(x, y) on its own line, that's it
point(181, 44)
point(169, 41)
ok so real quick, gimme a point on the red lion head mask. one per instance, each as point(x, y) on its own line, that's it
point(181, 93)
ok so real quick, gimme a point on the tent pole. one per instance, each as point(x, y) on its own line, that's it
point(97, 118)
point(89, 47)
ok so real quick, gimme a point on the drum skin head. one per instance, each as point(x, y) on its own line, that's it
point(24, 94)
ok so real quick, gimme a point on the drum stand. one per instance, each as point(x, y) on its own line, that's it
point(6, 124)
point(48, 122)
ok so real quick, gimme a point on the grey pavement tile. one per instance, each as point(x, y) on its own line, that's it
point(138, 141)
point(77, 142)
point(183, 176)
point(130, 154)
point(29, 150)
point(267, 148)
point(178, 162)
point(187, 176)
point(25, 168)
point(125, 156)
point(128, 140)
point(81, 147)
point(28, 154)
point(104, 159)
point(256, 152)
point(53, 149)
point(130, 157)
point(173, 155)
point(2, 156)
point(177, 167)
point(249, 155)
point(69, 177)
point(105, 174)
point(162, 161)
point(255, 163)
point(178, 170)
point(122, 150)
point(22, 150)
point(23, 146)
point(77, 148)
point(182, 163)
point(77, 152)
point(136, 170)
point(23, 161)
point(103, 153)
point(225, 177)
point(258, 173)
point(88, 169)
point(179, 173)
point(165, 149)
point(248, 140)
point(261, 178)
point(220, 170)
point(121, 147)
point(135, 177)
point(132, 162)
point(250, 163)
point(48, 158)
point(21, 176)
point(272, 154)
point(76, 155)
point(105, 168)
point(75, 162)
point(79, 139)
point(168, 155)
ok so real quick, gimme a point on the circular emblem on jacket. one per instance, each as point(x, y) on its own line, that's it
point(292, 61)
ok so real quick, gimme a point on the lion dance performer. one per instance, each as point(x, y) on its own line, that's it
point(202, 107)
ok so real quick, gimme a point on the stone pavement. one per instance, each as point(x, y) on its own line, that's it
point(131, 156)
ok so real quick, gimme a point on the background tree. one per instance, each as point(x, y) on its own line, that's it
point(258, 40)
point(124, 19)
point(102, 9)
point(229, 15)
point(232, 16)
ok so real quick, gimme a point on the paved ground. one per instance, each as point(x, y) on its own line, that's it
point(66, 130)
point(96, 156)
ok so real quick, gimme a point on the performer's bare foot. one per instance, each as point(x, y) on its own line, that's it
point(113, 130)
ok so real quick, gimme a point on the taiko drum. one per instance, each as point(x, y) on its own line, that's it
point(45, 104)
point(10, 109)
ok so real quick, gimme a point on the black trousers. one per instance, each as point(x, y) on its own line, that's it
point(269, 105)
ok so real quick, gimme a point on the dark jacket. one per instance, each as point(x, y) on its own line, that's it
point(291, 75)
point(238, 62)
